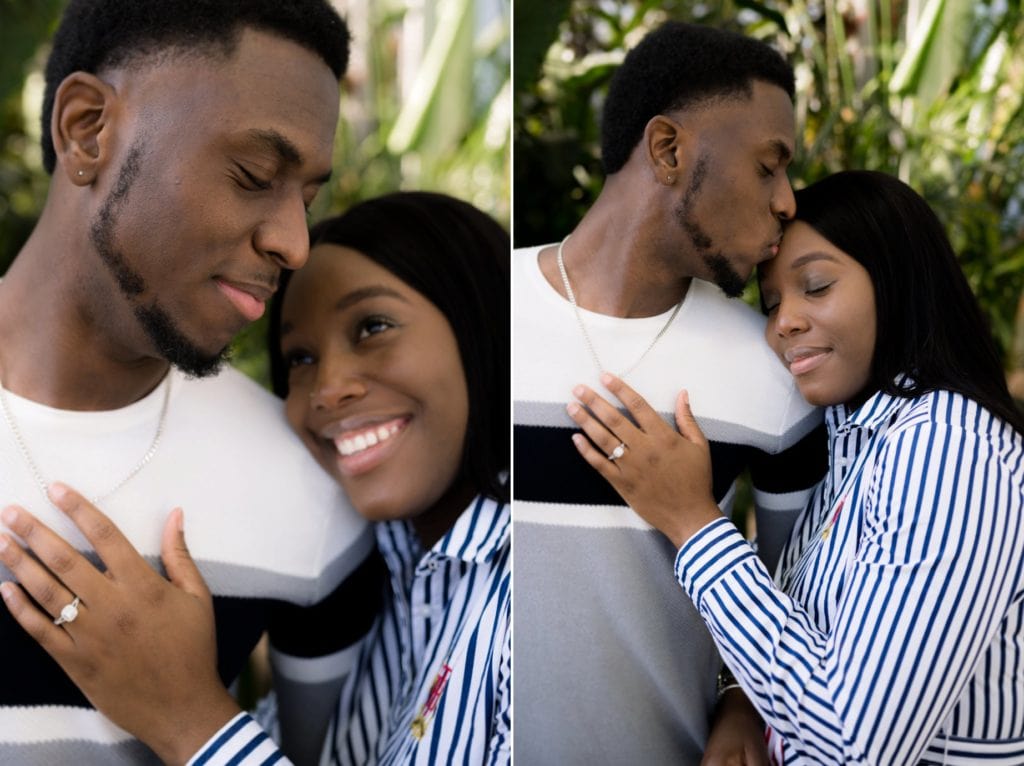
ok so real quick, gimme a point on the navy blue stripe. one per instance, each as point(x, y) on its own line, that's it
point(221, 740)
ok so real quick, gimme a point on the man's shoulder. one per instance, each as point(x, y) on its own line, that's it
point(229, 400)
point(237, 417)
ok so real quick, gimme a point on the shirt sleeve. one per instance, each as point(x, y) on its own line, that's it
point(241, 742)
point(937, 564)
point(312, 651)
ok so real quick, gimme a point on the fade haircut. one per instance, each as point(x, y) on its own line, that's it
point(100, 34)
point(680, 66)
point(930, 326)
point(456, 257)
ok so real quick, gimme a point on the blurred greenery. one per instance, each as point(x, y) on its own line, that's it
point(426, 104)
point(929, 90)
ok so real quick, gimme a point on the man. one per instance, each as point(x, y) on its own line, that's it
point(185, 142)
point(612, 663)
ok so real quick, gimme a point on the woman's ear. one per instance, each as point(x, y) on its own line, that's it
point(81, 125)
point(665, 142)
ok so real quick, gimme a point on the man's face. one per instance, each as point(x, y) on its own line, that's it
point(207, 194)
point(737, 189)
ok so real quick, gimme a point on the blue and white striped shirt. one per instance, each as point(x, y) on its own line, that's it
point(896, 632)
point(450, 606)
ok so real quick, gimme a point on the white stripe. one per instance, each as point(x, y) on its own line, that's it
point(591, 516)
point(47, 723)
point(781, 501)
point(312, 670)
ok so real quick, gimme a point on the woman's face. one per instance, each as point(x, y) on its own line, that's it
point(376, 386)
point(821, 316)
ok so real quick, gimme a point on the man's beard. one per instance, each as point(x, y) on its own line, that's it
point(170, 342)
point(722, 272)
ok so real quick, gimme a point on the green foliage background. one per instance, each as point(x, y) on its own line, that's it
point(426, 105)
point(929, 90)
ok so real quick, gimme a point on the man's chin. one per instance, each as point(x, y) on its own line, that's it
point(176, 347)
point(199, 366)
point(724, 275)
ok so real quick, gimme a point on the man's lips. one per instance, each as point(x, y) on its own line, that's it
point(250, 299)
point(803, 359)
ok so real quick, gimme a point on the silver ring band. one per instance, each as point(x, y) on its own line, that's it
point(617, 452)
point(68, 613)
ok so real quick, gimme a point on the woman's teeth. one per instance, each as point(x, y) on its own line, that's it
point(351, 445)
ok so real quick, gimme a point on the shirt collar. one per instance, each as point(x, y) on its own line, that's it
point(879, 409)
point(477, 536)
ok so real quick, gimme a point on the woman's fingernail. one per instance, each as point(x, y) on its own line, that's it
point(3, 543)
point(572, 408)
point(9, 515)
point(57, 491)
point(606, 378)
point(577, 439)
point(578, 391)
point(6, 590)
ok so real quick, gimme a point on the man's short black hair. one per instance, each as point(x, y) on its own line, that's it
point(96, 34)
point(677, 66)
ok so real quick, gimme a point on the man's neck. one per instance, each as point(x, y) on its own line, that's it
point(613, 263)
point(53, 350)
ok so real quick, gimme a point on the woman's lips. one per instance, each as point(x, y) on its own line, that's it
point(362, 449)
point(802, 360)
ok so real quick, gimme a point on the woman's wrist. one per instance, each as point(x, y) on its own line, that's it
point(192, 733)
point(692, 521)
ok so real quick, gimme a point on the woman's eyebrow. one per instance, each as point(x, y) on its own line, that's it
point(806, 258)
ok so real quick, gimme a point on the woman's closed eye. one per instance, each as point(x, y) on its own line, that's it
point(818, 288)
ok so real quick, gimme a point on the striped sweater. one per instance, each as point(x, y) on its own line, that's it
point(611, 665)
point(273, 537)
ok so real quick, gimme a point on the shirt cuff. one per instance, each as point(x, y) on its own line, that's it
point(709, 555)
point(240, 741)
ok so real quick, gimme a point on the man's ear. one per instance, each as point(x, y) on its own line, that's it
point(666, 143)
point(81, 125)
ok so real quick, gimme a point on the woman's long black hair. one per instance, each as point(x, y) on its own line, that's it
point(458, 258)
point(930, 326)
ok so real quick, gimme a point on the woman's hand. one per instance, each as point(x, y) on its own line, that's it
point(142, 649)
point(737, 734)
point(664, 476)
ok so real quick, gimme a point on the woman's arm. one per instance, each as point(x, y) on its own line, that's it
point(141, 649)
point(937, 565)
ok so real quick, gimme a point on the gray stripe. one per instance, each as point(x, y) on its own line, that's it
point(553, 415)
point(225, 579)
point(78, 752)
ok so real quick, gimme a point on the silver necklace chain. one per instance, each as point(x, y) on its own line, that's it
point(583, 327)
point(38, 475)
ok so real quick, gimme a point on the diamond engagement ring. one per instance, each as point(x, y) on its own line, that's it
point(617, 452)
point(68, 613)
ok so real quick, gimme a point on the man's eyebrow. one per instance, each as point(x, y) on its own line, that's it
point(283, 147)
point(782, 151)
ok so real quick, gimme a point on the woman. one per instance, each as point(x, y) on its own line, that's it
point(895, 633)
point(392, 347)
